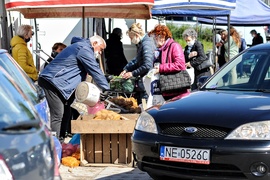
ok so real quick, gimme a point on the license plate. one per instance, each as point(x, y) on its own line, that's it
point(188, 155)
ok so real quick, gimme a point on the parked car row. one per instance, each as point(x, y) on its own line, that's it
point(27, 149)
point(221, 131)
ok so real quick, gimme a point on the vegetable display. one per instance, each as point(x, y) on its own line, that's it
point(122, 85)
point(129, 104)
point(105, 114)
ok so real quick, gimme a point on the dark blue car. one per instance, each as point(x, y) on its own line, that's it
point(27, 148)
point(222, 131)
point(35, 94)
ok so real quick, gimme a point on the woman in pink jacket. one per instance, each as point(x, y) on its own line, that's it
point(169, 57)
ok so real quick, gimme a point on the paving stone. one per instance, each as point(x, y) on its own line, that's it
point(103, 173)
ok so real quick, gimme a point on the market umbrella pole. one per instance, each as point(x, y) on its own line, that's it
point(83, 22)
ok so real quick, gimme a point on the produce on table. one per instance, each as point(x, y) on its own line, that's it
point(105, 114)
point(129, 104)
point(123, 85)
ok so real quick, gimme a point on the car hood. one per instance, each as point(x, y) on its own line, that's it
point(217, 108)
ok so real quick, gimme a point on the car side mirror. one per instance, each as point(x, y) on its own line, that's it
point(201, 81)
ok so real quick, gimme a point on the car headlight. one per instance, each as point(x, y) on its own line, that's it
point(146, 123)
point(252, 131)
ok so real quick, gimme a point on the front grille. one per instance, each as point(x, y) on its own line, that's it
point(203, 131)
point(212, 171)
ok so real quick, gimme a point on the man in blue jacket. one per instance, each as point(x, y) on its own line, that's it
point(61, 77)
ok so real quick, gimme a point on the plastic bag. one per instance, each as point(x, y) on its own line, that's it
point(94, 109)
point(80, 107)
point(151, 84)
point(68, 149)
point(70, 161)
point(191, 73)
point(75, 139)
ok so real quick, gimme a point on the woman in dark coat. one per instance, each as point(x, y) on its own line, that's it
point(194, 55)
point(114, 53)
point(143, 62)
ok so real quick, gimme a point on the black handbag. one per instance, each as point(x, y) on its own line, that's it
point(208, 62)
point(174, 82)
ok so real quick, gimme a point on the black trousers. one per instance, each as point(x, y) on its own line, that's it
point(198, 74)
point(60, 109)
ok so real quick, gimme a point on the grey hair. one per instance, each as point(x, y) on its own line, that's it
point(190, 33)
point(23, 30)
point(99, 39)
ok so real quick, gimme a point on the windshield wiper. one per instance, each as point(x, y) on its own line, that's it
point(211, 88)
point(262, 90)
point(218, 88)
point(25, 125)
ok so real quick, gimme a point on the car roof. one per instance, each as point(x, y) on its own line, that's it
point(14, 69)
point(260, 47)
point(15, 105)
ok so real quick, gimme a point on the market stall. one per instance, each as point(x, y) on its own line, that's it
point(101, 140)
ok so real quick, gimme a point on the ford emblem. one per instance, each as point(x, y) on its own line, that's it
point(191, 130)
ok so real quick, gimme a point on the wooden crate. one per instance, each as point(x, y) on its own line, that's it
point(105, 141)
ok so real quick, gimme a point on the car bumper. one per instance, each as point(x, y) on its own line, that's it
point(230, 160)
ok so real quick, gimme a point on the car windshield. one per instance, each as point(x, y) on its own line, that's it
point(19, 76)
point(14, 107)
point(249, 71)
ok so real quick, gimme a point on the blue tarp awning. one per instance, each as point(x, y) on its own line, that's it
point(255, 13)
point(197, 8)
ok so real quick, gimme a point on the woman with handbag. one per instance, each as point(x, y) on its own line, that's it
point(195, 56)
point(169, 59)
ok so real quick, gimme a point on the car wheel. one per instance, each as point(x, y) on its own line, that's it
point(159, 177)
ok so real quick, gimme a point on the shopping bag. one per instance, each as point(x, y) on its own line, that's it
point(151, 84)
point(97, 107)
point(80, 107)
point(191, 73)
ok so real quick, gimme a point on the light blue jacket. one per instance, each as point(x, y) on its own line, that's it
point(71, 66)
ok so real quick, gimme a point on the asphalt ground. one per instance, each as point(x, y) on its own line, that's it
point(103, 172)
